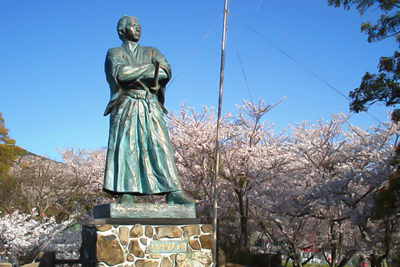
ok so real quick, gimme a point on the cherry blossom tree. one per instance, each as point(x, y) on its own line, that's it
point(244, 148)
point(327, 187)
point(89, 166)
point(24, 235)
point(47, 186)
point(381, 232)
point(192, 136)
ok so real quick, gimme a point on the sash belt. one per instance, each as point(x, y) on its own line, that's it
point(146, 96)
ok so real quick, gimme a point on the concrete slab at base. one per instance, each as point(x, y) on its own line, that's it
point(146, 221)
point(144, 210)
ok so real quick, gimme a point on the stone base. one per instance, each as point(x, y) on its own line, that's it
point(147, 245)
point(144, 210)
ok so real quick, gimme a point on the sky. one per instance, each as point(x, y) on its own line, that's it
point(53, 90)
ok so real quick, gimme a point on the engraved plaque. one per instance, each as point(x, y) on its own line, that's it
point(169, 246)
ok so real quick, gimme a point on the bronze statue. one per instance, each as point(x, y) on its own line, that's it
point(140, 158)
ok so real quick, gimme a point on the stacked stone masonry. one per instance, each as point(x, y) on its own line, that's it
point(154, 246)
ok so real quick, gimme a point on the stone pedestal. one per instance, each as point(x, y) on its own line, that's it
point(158, 244)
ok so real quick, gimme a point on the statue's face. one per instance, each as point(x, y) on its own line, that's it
point(132, 30)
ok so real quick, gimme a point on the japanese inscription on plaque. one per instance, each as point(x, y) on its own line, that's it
point(170, 246)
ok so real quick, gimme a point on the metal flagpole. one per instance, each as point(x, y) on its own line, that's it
point(217, 141)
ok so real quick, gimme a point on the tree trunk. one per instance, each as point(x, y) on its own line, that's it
point(243, 221)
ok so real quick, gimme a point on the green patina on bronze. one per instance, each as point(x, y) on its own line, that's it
point(140, 156)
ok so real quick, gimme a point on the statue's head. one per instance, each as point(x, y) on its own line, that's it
point(129, 28)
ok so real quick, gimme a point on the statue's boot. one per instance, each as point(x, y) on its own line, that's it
point(126, 199)
point(179, 197)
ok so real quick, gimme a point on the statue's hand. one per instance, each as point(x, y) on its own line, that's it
point(162, 74)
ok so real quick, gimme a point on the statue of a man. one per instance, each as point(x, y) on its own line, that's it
point(140, 158)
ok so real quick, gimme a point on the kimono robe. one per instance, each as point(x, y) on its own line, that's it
point(140, 157)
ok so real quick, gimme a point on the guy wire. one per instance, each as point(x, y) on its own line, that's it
point(195, 50)
point(301, 65)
